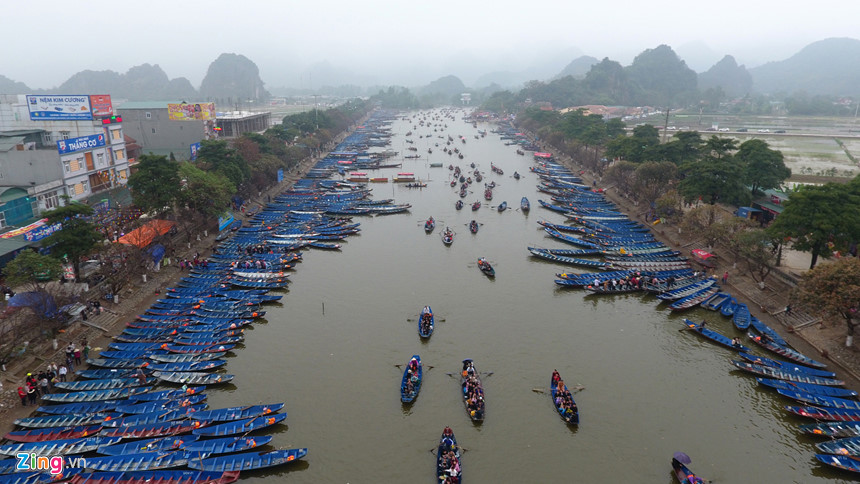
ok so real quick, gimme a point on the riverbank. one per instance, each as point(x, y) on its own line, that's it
point(805, 332)
point(100, 329)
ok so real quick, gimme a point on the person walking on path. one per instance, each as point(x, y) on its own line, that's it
point(726, 277)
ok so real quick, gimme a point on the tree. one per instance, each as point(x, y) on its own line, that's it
point(764, 168)
point(816, 219)
point(714, 180)
point(29, 268)
point(701, 221)
point(832, 289)
point(653, 178)
point(78, 236)
point(621, 174)
point(155, 184)
point(759, 250)
point(217, 156)
point(206, 194)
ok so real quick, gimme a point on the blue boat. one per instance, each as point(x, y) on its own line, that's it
point(762, 328)
point(240, 426)
point(844, 462)
point(82, 408)
point(821, 400)
point(159, 444)
point(728, 308)
point(525, 206)
point(825, 390)
point(186, 357)
point(413, 375)
point(248, 460)
point(37, 477)
point(94, 395)
point(829, 414)
point(741, 317)
point(236, 413)
point(109, 373)
point(227, 445)
point(169, 394)
point(785, 351)
point(160, 477)
point(158, 429)
point(503, 206)
point(448, 457)
point(716, 301)
point(116, 363)
point(426, 322)
point(786, 366)
point(567, 408)
point(161, 405)
point(718, 338)
point(187, 366)
point(59, 447)
point(47, 421)
point(776, 373)
point(684, 474)
point(177, 413)
point(53, 433)
point(193, 378)
point(832, 429)
point(138, 462)
point(106, 384)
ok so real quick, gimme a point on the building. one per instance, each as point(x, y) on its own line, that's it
point(234, 124)
point(53, 146)
point(168, 127)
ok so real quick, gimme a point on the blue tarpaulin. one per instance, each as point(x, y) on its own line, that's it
point(157, 253)
point(40, 302)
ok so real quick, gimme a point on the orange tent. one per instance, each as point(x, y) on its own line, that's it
point(143, 236)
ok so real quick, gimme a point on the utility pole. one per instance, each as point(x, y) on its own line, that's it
point(666, 124)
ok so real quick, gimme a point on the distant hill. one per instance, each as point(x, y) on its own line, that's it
point(444, 86)
point(734, 80)
point(140, 83)
point(8, 86)
point(233, 77)
point(578, 67)
point(828, 67)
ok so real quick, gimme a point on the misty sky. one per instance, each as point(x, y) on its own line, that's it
point(398, 42)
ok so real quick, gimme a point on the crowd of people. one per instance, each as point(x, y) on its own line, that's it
point(473, 392)
point(42, 383)
point(628, 283)
point(412, 379)
point(448, 470)
point(426, 320)
point(563, 398)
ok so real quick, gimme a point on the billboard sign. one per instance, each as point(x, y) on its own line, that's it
point(42, 231)
point(191, 112)
point(101, 105)
point(195, 147)
point(59, 107)
point(280, 175)
point(83, 143)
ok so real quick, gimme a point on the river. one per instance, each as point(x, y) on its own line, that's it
point(329, 350)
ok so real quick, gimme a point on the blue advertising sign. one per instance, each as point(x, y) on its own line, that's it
point(280, 175)
point(195, 147)
point(40, 233)
point(83, 143)
point(59, 107)
point(225, 220)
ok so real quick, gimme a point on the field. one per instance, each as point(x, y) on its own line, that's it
point(809, 144)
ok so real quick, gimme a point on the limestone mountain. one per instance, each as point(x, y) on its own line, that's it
point(726, 74)
point(145, 82)
point(578, 67)
point(8, 86)
point(826, 67)
point(663, 77)
point(233, 79)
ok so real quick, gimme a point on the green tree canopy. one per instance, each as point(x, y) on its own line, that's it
point(78, 237)
point(218, 156)
point(764, 168)
point(832, 289)
point(31, 268)
point(205, 193)
point(716, 180)
point(818, 219)
point(155, 184)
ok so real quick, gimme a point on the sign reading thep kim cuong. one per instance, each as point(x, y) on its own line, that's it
point(58, 107)
point(83, 143)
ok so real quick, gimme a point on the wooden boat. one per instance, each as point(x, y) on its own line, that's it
point(55, 433)
point(763, 328)
point(248, 460)
point(187, 366)
point(684, 474)
point(473, 227)
point(82, 408)
point(694, 299)
point(236, 413)
point(161, 405)
point(185, 357)
point(48, 421)
point(198, 349)
point(426, 322)
point(787, 366)
point(486, 268)
point(106, 384)
point(58, 447)
point(176, 394)
point(525, 206)
point(832, 429)
point(785, 351)
point(728, 309)
point(829, 414)
point(158, 429)
point(458, 205)
point(830, 391)
point(157, 416)
point(741, 317)
point(684, 291)
point(470, 385)
point(769, 372)
point(429, 225)
point(448, 236)
point(115, 363)
point(502, 206)
point(544, 254)
point(821, 400)
point(476, 206)
point(227, 445)
point(141, 461)
point(413, 375)
point(158, 444)
point(240, 426)
point(448, 457)
point(94, 395)
point(716, 301)
point(718, 338)
point(844, 462)
point(192, 378)
point(568, 409)
point(516, 176)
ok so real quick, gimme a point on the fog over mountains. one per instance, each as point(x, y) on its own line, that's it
point(827, 67)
